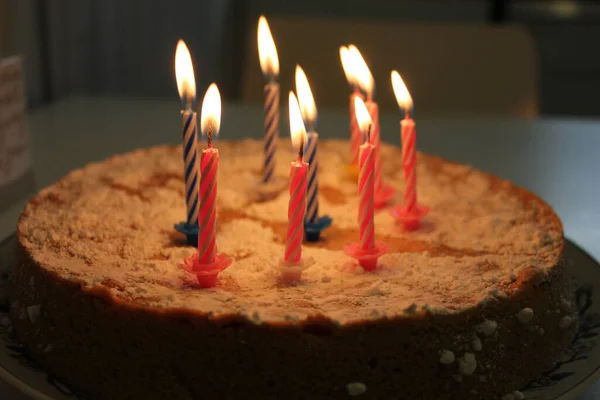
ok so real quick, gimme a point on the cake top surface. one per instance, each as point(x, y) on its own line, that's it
point(109, 226)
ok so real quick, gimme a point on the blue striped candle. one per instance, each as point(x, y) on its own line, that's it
point(271, 129)
point(312, 191)
point(190, 159)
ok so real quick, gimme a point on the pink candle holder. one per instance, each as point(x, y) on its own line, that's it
point(367, 259)
point(411, 220)
point(206, 274)
point(292, 271)
point(383, 195)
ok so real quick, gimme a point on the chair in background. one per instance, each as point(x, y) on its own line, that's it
point(450, 69)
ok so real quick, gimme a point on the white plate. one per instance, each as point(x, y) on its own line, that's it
point(578, 369)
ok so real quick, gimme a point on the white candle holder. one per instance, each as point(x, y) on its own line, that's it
point(292, 271)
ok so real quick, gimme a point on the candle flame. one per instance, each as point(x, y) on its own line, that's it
point(347, 65)
point(297, 130)
point(211, 110)
point(267, 52)
point(362, 114)
point(308, 107)
point(184, 73)
point(403, 97)
point(361, 70)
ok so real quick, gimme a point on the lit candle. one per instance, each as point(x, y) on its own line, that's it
point(408, 139)
point(210, 120)
point(365, 80)
point(313, 224)
point(366, 180)
point(356, 138)
point(269, 63)
point(298, 172)
point(308, 109)
point(368, 250)
point(186, 85)
point(410, 212)
point(206, 263)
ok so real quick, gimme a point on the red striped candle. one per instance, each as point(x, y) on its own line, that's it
point(366, 193)
point(296, 210)
point(356, 137)
point(350, 64)
point(368, 250)
point(409, 163)
point(298, 172)
point(376, 141)
point(408, 138)
point(209, 165)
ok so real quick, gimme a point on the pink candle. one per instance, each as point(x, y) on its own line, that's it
point(207, 264)
point(366, 193)
point(411, 212)
point(298, 172)
point(296, 210)
point(350, 66)
point(368, 250)
point(409, 163)
point(209, 165)
point(408, 138)
point(355, 134)
point(376, 141)
point(207, 219)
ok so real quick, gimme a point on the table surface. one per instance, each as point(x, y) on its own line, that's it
point(556, 158)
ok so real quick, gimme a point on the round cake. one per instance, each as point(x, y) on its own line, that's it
point(473, 305)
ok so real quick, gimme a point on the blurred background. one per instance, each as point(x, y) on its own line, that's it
point(526, 58)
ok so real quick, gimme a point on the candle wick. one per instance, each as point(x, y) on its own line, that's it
point(188, 104)
point(301, 149)
point(369, 134)
point(209, 136)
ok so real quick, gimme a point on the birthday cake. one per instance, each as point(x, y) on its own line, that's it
point(473, 305)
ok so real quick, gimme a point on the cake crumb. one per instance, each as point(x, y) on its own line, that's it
point(483, 378)
point(525, 315)
point(34, 313)
point(446, 357)
point(48, 348)
point(467, 364)
point(356, 388)
point(22, 313)
point(326, 278)
point(476, 344)
point(32, 281)
point(256, 317)
point(565, 322)
point(541, 331)
point(5, 321)
point(508, 396)
point(457, 377)
point(410, 310)
point(518, 395)
point(488, 327)
point(376, 290)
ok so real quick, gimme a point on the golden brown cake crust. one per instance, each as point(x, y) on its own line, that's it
point(452, 309)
